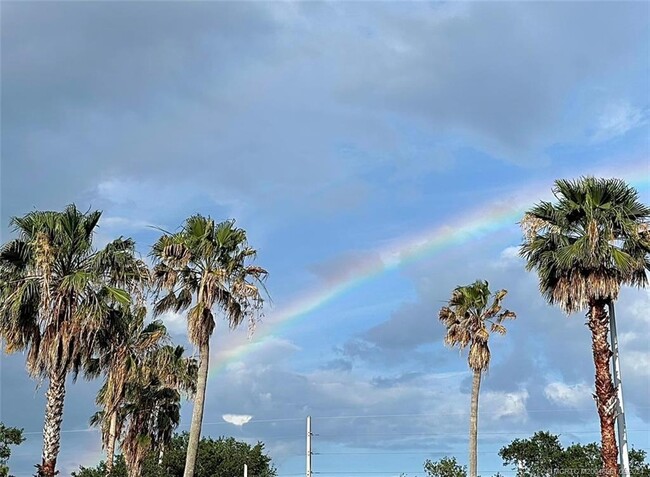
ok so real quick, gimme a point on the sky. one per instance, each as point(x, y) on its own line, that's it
point(378, 154)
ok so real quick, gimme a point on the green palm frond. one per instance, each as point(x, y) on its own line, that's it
point(588, 243)
point(204, 267)
point(57, 290)
point(151, 409)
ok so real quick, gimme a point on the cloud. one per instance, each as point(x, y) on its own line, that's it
point(237, 419)
point(617, 119)
point(176, 323)
point(322, 145)
point(68, 58)
point(412, 325)
point(339, 364)
point(221, 96)
point(509, 405)
point(638, 363)
point(509, 257)
point(346, 266)
point(575, 395)
point(519, 65)
point(540, 343)
point(633, 309)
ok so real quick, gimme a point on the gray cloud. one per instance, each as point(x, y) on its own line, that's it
point(91, 90)
point(387, 382)
point(272, 112)
point(338, 364)
point(62, 58)
point(94, 92)
point(502, 73)
point(543, 346)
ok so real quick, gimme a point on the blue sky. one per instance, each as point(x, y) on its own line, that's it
point(332, 132)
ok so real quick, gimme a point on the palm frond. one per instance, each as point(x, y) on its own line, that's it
point(466, 316)
point(595, 245)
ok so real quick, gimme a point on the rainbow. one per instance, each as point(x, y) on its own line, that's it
point(474, 225)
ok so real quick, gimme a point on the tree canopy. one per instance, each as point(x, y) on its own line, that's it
point(445, 467)
point(543, 455)
point(223, 457)
point(9, 436)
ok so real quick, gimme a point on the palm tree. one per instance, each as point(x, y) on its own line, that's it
point(55, 290)
point(199, 268)
point(123, 345)
point(466, 318)
point(179, 373)
point(150, 411)
point(595, 239)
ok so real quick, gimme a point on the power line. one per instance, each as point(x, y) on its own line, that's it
point(67, 431)
point(393, 472)
point(359, 416)
point(425, 452)
point(387, 434)
point(375, 416)
point(253, 421)
point(483, 433)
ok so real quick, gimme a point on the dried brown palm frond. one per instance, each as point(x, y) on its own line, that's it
point(466, 317)
point(479, 356)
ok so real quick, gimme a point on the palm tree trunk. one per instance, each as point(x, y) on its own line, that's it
point(55, 397)
point(197, 411)
point(605, 392)
point(134, 470)
point(110, 446)
point(473, 423)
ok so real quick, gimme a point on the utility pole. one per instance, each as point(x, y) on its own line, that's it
point(616, 371)
point(308, 473)
point(245, 470)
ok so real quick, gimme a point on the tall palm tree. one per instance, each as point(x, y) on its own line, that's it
point(466, 317)
point(204, 268)
point(150, 411)
point(55, 290)
point(124, 346)
point(584, 247)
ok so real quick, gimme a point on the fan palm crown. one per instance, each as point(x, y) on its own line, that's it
point(55, 293)
point(467, 317)
point(205, 268)
point(592, 240)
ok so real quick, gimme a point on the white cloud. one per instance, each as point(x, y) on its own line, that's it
point(635, 310)
point(510, 253)
point(627, 338)
point(499, 405)
point(617, 119)
point(237, 419)
point(175, 322)
point(237, 352)
point(509, 257)
point(576, 395)
point(125, 224)
point(636, 363)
